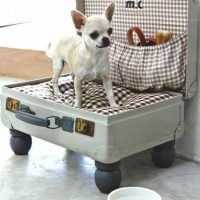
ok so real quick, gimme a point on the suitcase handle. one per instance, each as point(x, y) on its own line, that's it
point(37, 121)
point(31, 119)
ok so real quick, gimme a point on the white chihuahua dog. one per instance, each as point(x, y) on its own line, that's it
point(86, 56)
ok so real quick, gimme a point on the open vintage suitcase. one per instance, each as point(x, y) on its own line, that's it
point(143, 120)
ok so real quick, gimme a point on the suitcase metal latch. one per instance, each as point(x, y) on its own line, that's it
point(84, 127)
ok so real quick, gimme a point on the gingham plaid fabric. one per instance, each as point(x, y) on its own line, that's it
point(170, 15)
point(93, 96)
point(142, 68)
point(155, 67)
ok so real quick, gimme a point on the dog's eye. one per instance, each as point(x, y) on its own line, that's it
point(94, 35)
point(110, 30)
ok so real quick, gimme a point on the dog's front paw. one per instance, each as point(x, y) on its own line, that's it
point(57, 93)
point(77, 104)
point(114, 104)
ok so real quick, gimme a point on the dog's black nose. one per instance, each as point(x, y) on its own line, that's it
point(105, 41)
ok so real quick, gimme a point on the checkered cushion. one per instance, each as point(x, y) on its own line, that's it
point(141, 68)
point(93, 96)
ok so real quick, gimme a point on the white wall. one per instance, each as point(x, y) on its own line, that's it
point(47, 20)
point(13, 11)
point(189, 144)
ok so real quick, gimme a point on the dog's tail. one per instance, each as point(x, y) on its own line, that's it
point(49, 50)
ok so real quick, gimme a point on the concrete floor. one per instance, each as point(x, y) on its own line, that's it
point(53, 173)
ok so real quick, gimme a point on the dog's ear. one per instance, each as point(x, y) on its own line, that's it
point(110, 11)
point(78, 18)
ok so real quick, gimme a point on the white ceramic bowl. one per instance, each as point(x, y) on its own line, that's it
point(134, 193)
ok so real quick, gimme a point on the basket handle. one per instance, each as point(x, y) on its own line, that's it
point(140, 34)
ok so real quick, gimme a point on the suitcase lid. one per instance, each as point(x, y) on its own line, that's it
point(180, 16)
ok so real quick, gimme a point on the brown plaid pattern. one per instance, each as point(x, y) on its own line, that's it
point(170, 15)
point(94, 97)
point(155, 67)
